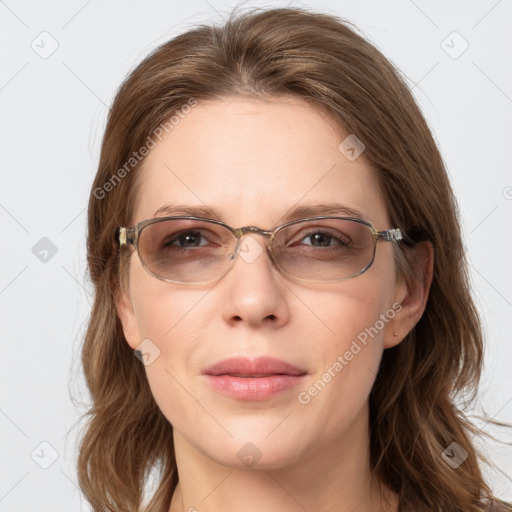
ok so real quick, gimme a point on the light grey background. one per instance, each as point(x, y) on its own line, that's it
point(53, 111)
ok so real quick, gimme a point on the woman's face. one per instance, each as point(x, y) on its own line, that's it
point(252, 162)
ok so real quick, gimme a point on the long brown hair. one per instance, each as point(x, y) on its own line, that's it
point(321, 59)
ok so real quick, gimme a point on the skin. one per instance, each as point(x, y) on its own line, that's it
point(254, 160)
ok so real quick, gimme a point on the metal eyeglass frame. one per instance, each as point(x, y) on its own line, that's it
point(130, 236)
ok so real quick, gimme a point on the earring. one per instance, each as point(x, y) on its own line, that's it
point(394, 333)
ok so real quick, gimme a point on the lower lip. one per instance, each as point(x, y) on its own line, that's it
point(253, 388)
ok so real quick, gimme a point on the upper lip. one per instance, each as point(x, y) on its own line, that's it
point(259, 367)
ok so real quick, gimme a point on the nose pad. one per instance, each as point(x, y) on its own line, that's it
point(271, 256)
point(232, 256)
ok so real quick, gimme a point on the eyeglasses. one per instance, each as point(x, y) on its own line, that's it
point(194, 250)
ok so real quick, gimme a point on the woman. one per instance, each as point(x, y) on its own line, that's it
point(310, 360)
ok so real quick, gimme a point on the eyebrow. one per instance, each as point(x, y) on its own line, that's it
point(295, 213)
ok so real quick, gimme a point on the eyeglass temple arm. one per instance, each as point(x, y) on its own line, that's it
point(125, 236)
point(390, 235)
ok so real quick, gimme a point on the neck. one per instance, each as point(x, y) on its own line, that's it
point(334, 477)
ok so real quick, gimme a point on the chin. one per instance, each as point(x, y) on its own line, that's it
point(256, 454)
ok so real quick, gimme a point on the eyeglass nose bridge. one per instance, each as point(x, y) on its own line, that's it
point(239, 232)
point(245, 230)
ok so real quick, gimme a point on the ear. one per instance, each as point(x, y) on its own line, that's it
point(128, 319)
point(412, 298)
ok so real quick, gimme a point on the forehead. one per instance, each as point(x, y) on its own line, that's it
point(254, 160)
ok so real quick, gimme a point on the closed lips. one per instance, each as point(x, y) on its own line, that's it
point(254, 376)
point(256, 380)
point(260, 367)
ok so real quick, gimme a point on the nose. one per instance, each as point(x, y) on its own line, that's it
point(253, 290)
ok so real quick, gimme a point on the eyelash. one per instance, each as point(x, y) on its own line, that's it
point(338, 241)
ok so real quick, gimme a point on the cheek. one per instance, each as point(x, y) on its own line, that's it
point(161, 308)
point(174, 320)
point(163, 312)
point(348, 354)
point(356, 338)
point(352, 311)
